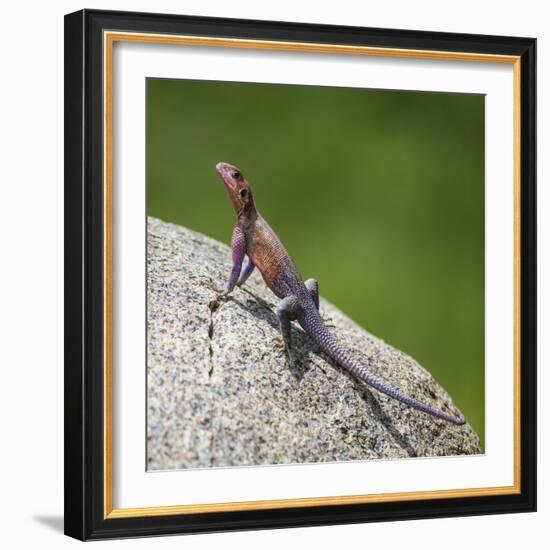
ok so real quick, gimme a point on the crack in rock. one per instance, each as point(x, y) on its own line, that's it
point(212, 306)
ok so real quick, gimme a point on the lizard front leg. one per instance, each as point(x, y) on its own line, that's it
point(287, 311)
point(238, 247)
point(246, 272)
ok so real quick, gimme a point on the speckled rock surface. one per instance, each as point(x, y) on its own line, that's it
point(221, 391)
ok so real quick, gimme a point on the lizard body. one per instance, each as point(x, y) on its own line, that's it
point(254, 238)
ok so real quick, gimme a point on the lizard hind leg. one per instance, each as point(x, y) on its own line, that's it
point(313, 288)
point(287, 311)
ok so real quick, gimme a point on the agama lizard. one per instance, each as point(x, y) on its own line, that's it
point(252, 237)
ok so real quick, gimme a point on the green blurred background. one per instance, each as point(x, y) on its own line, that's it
point(379, 195)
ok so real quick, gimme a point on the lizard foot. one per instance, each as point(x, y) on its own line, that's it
point(220, 294)
point(280, 346)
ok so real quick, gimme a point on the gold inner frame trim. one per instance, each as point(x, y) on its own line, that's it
point(109, 39)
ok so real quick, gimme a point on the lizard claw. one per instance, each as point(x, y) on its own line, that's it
point(279, 345)
point(220, 294)
point(212, 286)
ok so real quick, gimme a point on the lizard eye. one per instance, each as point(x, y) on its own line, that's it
point(237, 175)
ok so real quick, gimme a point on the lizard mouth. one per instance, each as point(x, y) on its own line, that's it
point(224, 171)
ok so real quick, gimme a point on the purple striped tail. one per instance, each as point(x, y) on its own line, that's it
point(312, 323)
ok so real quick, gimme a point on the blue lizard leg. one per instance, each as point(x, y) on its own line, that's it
point(287, 311)
point(245, 273)
point(238, 247)
point(313, 287)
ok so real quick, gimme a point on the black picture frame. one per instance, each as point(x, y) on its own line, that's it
point(85, 517)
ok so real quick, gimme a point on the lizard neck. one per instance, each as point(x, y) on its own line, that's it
point(247, 218)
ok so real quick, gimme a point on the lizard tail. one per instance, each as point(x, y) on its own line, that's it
point(314, 326)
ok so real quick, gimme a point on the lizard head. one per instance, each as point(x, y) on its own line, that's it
point(237, 188)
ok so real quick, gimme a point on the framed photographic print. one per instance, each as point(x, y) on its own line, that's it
point(300, 274)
